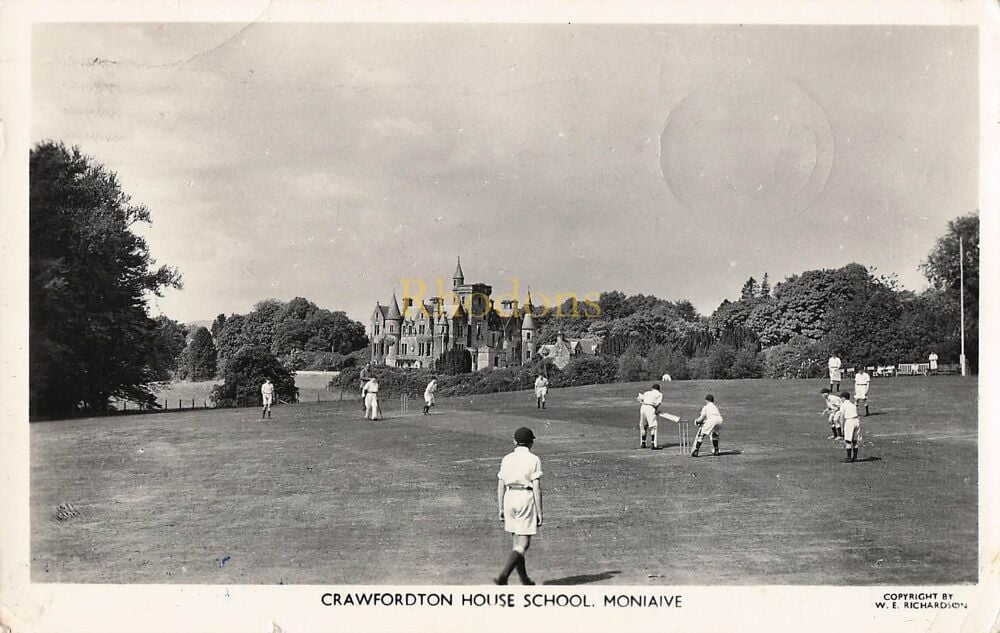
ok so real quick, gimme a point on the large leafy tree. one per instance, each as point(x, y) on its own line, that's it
point(942, 271)
point(91, 337)
point(246, 371)
point(168, 344)
point(200, 356)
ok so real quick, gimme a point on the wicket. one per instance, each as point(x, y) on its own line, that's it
point(404, 403)
point(683, 441)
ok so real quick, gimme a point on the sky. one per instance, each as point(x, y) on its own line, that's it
point(331, 161)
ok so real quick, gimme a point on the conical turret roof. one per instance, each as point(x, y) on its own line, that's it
point(394, 312)
point(458, 271)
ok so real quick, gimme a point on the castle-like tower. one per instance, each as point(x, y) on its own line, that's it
point(417, 335)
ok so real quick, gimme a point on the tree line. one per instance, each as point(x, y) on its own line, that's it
point(92, 339)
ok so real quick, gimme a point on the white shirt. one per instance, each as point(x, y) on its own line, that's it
point(666, 378)
point(541, 381)
point(710, 413)
point(371, 386)
point(834, 363)
point(933, 357)
point(267, 389)
point(431, 388)
point(653, 398)
point(862, 378)
point(520, 466)
point(834, 401)
point(849, 409)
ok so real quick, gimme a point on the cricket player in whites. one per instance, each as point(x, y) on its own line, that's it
point(649, 404)
point(709, 424)
point(852, 426)
point(834, 366)
point(371, 400)
point(862, 380)
point(541, 388)
point(519, 499)
point(429, 394)
point(833, 402)
point(266, 397)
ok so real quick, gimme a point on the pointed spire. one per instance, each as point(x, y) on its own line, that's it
point(394, 312)
point(459, 276)
point(529, 320)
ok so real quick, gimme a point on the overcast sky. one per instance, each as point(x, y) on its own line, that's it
point(330, 161)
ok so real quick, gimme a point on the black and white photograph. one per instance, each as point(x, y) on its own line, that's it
point(319, 316)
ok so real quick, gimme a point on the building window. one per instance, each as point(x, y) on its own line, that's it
point(528, 336)
point(527, 353)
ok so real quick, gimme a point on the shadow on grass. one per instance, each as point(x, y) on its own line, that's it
point(583, 579)
point(874, 414)
point(867, 459)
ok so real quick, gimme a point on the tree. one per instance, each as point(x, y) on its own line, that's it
point(246, 371)
point(168, 344)
point(454, 361)
point(201, 356)
point(750, 289)
point(765, 287)
point(942, 271)
point(90, 337)
point(217, 325)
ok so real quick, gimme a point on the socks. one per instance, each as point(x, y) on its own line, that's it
point(854, 454)
point(697, 447)
point(652, 439)
point(522, 571)
point(715, 446)
point(516, 559)
point(849, 454)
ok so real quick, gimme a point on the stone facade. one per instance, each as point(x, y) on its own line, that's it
point(417, 334)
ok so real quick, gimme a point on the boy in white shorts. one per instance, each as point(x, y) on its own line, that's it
point(833, 402)
point(649, 405)
point(266, 397)
point(852, 426)
point(519, 499)
point(541, 389)
point(370, 391)
point(862, 380)
point(709, 424)
point(429, 394)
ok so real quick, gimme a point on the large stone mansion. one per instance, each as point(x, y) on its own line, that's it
point(416, 335)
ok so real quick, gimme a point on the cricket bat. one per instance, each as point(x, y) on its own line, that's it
point(667, 416)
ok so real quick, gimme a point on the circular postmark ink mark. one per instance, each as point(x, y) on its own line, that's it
point(747, 144)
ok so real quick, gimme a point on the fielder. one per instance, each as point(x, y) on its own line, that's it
point(649, 403)
point(266, 397)
point(833, 402)
point(709, 424)
point(852, 427)
point(862, 380)
point(366, 375)
point(834, 366)
point(519, 501)
point(932, 360)
point(429, 395)
point(370, 392)
point(541, 388)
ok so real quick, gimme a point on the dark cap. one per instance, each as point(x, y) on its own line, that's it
point(524, 435)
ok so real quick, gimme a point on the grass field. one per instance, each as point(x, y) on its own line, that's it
point(318, 495)
point(181, 393)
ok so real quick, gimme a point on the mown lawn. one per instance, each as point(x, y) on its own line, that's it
point(319, 495)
